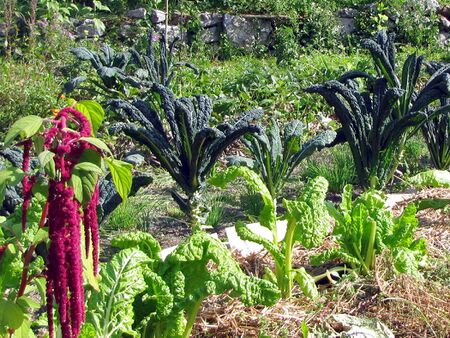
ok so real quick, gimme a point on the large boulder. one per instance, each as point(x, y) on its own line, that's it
point(158, 16)
point(88, 28)
point(173, 32)
point(246, 32)
point(138, 13)
point(211, 34)
point(211, 19)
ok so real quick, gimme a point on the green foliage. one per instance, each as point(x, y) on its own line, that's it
point(334, 164)
point(129, 74)
point(190, 150)
point(286, 44)
point(110, 310)
point(141, 295)
point(15, 309)
point(376, 123)
point(307, 224)
point(431, 178)
point(277, 154)
point(27, 89)
point(415, 155)
point(436, 131)
point(319, 28)
point(365, 228)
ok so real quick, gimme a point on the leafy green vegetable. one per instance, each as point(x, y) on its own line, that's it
point(307, 224)
point(436, 131)
point(124, 74)
point(111, 309)
point(191, 148)
point(365, 228)
point(277, 154)
point(166, 295)
point(377, 122)
point(431, 178)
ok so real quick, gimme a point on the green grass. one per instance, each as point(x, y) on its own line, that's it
point(335, 164)
point(27, 88)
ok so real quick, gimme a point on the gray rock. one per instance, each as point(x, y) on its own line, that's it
point(427, 5)
point(445, 23)
point(126, 31)
point(443, 37)
point(88, 29)
point(347, 25)
point(348, 13)
point(178, 18)
point(356, 327)
point(158, 16)
point(135, 158)
point(211, 34)
point(246, 32)
point(138, 13)
point(211, 19)
point(172, 32)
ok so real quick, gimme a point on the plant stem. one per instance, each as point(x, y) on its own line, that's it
point(192, 315)
point(29, 255)
point(370, 255)
point(289, 240)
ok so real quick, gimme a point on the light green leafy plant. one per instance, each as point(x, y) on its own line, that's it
point(307, 224)
point(365, 228)
point(144, 296)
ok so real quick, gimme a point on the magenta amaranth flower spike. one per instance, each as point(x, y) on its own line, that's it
point(27, 181)
point(90, 222)
point(64, 266)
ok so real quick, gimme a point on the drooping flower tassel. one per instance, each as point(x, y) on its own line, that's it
point(27, 182)
point(90, 221)
point(64, 267)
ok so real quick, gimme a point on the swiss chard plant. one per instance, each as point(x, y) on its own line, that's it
point(131, 73)
point(277, 154)
point(436, 131)
point(60, 197)
point(365, 228)
point(307, 224)
point(191, 147)
point(143, 295)
point(377, 122)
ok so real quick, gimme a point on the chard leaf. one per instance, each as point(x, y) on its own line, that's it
point(309, 214)
point(431, 178)
point(306, 283)
point(139, 240)
point(267, 218)
point(111, 309)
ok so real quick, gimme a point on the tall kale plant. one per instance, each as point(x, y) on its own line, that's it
point(190, 147)
point(276, 153)
point(377, 122)
point(436, 131)
point(131, 73)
